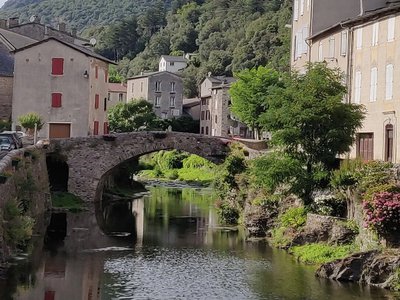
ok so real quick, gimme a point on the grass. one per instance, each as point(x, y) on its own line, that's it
point(67, 201)
point(320, 253)
point(203, 175)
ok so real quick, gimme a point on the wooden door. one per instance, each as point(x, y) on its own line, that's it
point(58, 131)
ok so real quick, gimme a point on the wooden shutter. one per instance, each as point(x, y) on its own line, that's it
point(56, 100)
point(57, 66)
point(96, 128)
point(96, 101)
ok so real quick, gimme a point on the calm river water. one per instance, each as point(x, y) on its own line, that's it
point(179, 252)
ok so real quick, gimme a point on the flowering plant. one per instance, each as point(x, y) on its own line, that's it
point(382, 213)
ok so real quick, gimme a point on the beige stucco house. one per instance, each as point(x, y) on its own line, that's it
point(162, 89)
point(116, 94)
point(66, 84)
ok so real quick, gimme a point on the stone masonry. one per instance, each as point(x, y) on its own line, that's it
point(6, 91)
point(91, 158)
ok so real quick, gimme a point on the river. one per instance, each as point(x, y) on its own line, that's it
point(166, 245)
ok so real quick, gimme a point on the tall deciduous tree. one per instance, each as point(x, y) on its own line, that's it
point(132, 116)
point(250, 94)
point(311, 123)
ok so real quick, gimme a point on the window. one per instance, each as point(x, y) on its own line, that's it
point(389, 82)
point(331, 47)
point(172, 101)
point(141, 86)
point(203, 102)
point(375, 34)
point(105, 76)
point(359, 38)
point(304, 40)
point(158, 86)
point(365, 146)
point(202, 115)
point(105, 104)
point(202, 130)
point(216, 119)
point(96, 72)
point(172, 63)
point(374, 83)
point(301, 7)
point(56, 100)
point(343, 45)
point(296, 10)
point(208, 115)
point(320, 52)
point(172, 86)
point(120, 97)
point(106, 129)
point(164, 115)
point(57, 66)
point(96, 128)
point(391, 26)
point(158, 101)
point(357, 92)
point(132, 87)
point(216, 104)
point(206, 130)
point(389, 143)
point(96, 101)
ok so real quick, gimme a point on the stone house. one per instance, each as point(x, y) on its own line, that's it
point(162, 89)
point(116, 93)
point(173, 64)
point(66, 84)
point(191, 107)
point(215, 116)
point(364, 46)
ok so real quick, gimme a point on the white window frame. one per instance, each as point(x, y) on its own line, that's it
point(320, 52)
point(359, 38)
point(391, 28)
point(158, 86)
point(375, 34)
point(172, 101)
point(157, 101)
point(331, 47)
point(373, 84)
point(357, 87)
point(304, 36)
point(344, 43)
point(389, 82)
point(173, 86)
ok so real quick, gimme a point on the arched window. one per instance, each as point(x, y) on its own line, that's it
point(389, 143)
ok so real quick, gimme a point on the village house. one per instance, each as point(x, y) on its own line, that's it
point(164, 90)
point(191, 107)
point(215, 116)
point(364, 47)
point(116, 94)
point(173, 64)
point(66, 84)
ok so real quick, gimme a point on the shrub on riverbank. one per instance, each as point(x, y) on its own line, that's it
point(67, 201)
point(320, 253)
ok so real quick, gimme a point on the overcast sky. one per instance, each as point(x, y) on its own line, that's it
point(2, 2)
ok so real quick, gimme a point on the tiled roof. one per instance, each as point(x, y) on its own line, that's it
point(174, 58)
point(15, 39)
point(149, 74)
point(190, 102)
point(81, 49)
point(117, 87)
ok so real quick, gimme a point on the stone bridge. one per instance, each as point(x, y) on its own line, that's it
point(90, 159)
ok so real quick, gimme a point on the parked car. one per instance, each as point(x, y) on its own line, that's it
point(7, 143)
point(14, 135)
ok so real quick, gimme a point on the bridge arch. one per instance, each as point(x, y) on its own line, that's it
point(89, 159)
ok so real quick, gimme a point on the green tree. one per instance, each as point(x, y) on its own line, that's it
point(132, 116)
point(250, 94)
point(29, 120)
point(310, 122)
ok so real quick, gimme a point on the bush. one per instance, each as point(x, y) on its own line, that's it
point(294, 217)
point(5, 125)
point(29, 121)
point(329, 205)
point(168, 160)
point(227, 213)
point(196, 162)
point(320, 253)
point(383, 212)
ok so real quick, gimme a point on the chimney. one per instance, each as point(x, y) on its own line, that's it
point(3, 23)
point(74, 32)
point(35, 19)
point(12, 22)
point(62, 27)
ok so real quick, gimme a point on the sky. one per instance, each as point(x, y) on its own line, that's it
point(2, 2)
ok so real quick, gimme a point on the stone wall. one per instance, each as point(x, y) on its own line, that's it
point(6, 92)
point(32, 169)
point(91, 158)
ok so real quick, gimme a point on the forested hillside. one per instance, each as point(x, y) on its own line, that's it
point(78, 13)
point(225, 36)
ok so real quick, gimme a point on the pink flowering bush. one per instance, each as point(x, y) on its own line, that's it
point(382, 213)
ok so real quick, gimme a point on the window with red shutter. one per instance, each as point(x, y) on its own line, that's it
point(57, 66)
point(96, 71)
point(96, 101)
point(106, 130)
point(56, 100)
point(96, 128)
